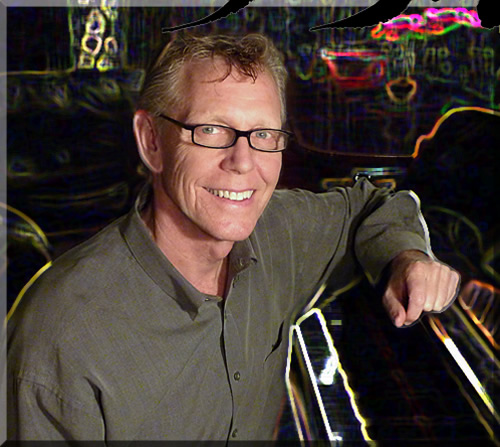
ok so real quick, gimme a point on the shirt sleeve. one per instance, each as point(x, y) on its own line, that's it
point(395, 226)
point(342, 234)
point(36, 412)
point(50, 394)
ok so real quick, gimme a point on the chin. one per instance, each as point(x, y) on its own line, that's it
point(232, 234)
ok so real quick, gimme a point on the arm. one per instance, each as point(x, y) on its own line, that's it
point(35, 412)
point(394, 238)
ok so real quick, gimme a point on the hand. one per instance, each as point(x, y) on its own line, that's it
point(418, 284)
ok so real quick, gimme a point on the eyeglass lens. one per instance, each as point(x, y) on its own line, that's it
point(219, 137)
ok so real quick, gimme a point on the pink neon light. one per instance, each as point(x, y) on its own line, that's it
point(432, 22)
point(372, 74)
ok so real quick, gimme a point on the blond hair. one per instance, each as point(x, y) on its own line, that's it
point(249, 55)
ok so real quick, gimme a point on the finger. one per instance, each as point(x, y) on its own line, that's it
point(453, 279)
point(439, 287)
point(394, 308)
point(417, 293)
point(446, 288)
point(454, 287)
point(434, 293)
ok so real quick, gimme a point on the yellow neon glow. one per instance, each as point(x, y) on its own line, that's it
point(482, 329)
point(314, 383)
point(88, 38)
point(28, 219)
point(26, 287)
point(467, 308)
point(86, 61)
point(452, 348)
point(471, 402)
point(440, 121)
point(105, 63)
point(333, 353)
point(111, 45)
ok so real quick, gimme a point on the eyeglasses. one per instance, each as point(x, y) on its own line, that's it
point(216, 136)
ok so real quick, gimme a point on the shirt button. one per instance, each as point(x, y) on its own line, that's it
point(234, 433)
point(237, 375)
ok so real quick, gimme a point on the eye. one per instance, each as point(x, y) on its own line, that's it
point(263, 134)
point(210, 130)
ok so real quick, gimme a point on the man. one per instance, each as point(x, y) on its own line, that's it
point(169, 324)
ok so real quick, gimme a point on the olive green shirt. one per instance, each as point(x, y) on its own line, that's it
point(112, 343)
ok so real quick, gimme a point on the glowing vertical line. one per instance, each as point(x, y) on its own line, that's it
point(71, 37)
point(464, 366)
point(333, 351)
point(343, 374)
point(289, 384)
point(314, 382)
point(459, 358)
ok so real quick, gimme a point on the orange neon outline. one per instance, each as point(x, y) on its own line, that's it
point(443, 118)
point(411, 94)
point(475, 318)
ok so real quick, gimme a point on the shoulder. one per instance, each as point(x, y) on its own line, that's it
point(297, 204)
point(65, 291)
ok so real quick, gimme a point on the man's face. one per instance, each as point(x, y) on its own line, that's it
point(194, 177)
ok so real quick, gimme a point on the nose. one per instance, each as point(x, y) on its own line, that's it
point(239, 158)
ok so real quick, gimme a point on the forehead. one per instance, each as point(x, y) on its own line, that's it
point(215, 78)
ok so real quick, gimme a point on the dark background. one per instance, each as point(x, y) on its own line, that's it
point(73, 167)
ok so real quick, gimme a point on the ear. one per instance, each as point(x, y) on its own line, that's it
point(146, 137)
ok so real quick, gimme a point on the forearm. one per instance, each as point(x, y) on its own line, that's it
point(392, 232)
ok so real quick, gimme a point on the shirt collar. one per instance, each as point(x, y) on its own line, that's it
point(160, 269)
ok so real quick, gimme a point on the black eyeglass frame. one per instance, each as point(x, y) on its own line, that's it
point(238, 134)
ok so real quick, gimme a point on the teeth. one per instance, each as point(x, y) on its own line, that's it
point(231, 195)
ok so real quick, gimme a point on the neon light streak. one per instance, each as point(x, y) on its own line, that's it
point(452, 348)
point(25, 288)
point(462, 16)
point(467, 308)
point(478, 339)
point(373, 71)
point(331, 362)
point(433, 21)
point(440, 121)
point(314, 382)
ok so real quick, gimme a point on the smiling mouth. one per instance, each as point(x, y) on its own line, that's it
point(231, 195)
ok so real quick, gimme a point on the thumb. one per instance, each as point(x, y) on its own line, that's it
point(394, 307)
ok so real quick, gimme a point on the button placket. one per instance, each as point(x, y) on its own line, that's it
point(235, 280)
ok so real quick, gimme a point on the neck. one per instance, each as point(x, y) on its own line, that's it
point(198, 257)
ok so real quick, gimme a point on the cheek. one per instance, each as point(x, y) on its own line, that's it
point(174, 173)
point(271, 168)
point(185, 171)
